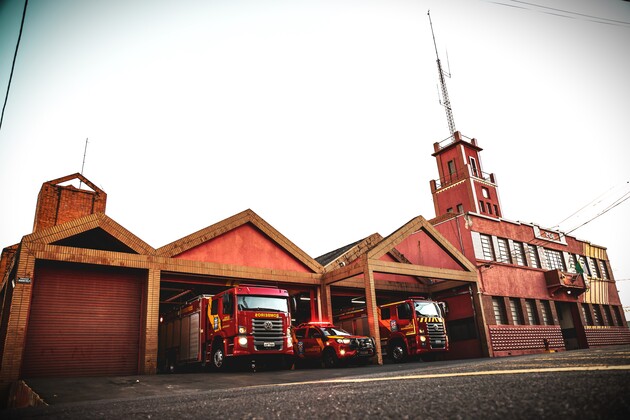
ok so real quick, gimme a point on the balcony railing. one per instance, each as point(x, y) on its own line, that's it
point(463, 173)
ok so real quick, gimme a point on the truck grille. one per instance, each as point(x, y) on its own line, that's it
point(437, 336)
point(267, 333)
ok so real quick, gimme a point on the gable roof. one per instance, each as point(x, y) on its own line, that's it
point(245, 217)
point(78, 228)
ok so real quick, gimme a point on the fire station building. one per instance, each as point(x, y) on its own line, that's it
point(82, 296)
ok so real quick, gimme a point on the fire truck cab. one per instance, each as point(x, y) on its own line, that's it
point(243, 322)
point(412, 327)
point(322, 341)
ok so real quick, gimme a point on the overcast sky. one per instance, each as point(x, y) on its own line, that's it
point(320, 116)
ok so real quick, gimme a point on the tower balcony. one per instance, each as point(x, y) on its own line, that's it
point(464, 173)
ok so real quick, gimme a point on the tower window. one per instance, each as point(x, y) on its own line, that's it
point(460, 208)
point(489, 208)
point(451, 167)
point(485, 192)
point(496, 210)
point(473, 165)
point(482, 206)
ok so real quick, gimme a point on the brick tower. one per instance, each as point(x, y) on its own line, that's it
point(58, 203)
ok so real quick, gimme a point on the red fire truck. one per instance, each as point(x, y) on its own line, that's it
point(412, 327)
point(244, 321)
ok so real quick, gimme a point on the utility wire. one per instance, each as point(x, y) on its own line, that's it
point(623, 198)
point(561, 12)
point(17, 46)
point(557, 225)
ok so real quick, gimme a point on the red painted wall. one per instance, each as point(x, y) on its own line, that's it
point(247, 246)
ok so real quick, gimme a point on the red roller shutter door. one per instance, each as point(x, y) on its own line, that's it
point(84, 321)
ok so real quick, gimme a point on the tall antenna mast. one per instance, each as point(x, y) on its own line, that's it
point(83, 164)
point(447, 102)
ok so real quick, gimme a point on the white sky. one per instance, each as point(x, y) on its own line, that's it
point(318, 115)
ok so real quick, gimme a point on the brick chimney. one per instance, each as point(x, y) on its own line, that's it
point(57, 204)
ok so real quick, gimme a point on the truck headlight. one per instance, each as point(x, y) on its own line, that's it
point(242, 341)
point(343, 340)
point(423, 338)
point(242, 330)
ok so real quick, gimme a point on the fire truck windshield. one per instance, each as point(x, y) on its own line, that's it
point(427, 309)
point(262, 303)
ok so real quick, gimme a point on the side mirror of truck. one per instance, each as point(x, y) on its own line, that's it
point(444, 307)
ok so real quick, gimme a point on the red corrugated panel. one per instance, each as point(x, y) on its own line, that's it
point(84, 321)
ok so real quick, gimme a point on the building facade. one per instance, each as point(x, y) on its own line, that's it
point(540, 289)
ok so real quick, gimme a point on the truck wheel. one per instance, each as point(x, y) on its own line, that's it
point(218, 358)
point(330, 359)
point(398, 352)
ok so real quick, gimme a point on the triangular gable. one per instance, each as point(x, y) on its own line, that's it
point(79, 232)
point(419, 223)
point(79, 177)
point(243, 239)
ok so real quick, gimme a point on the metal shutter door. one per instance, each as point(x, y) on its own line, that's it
point(84, 321)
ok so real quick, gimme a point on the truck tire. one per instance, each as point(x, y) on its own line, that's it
point(397, 351)
point(330, 359)
point(218, 358)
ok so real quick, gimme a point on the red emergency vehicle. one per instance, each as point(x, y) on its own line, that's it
point(244, 321)
point(323, 342)
point(412, 327)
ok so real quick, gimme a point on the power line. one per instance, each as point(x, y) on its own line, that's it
point(562, 13)
point(17, 45)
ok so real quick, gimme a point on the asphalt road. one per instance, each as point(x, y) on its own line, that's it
point(583, 384)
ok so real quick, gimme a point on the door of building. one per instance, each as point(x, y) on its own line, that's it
point(571, 325)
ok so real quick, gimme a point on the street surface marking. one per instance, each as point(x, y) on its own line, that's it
point(450, 375)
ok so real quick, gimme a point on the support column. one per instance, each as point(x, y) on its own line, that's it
point(480, 315)
point(326, 303)
point(20, 306)
point(151, 324)
point(371, 308)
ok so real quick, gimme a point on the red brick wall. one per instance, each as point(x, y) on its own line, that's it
point(59, 204)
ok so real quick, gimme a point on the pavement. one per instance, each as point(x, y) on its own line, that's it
point(59, 391)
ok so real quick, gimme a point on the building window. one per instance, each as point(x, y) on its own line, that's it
point(482, 206)
point(486, 246)
point(519, 254)
point(608, 315)
point(554, 259)
point(489, 207)
point(473, 165)
point(515, 309)
point(597, 315)
point(593, 267)
point(617, 312)
point(545, 309)
point(503, 251)
point(449, 210)
point(485, 192)
point(603, 270)
point(460, 208)
point(499, 311)
point(451, 167)
point(532, 314)
point(496, 210)
point(584, 265)
point(587, 314)
point(533, 256)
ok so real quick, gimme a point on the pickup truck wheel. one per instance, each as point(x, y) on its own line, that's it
point(398, 352)
point(218, 358)
point(330, 359)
